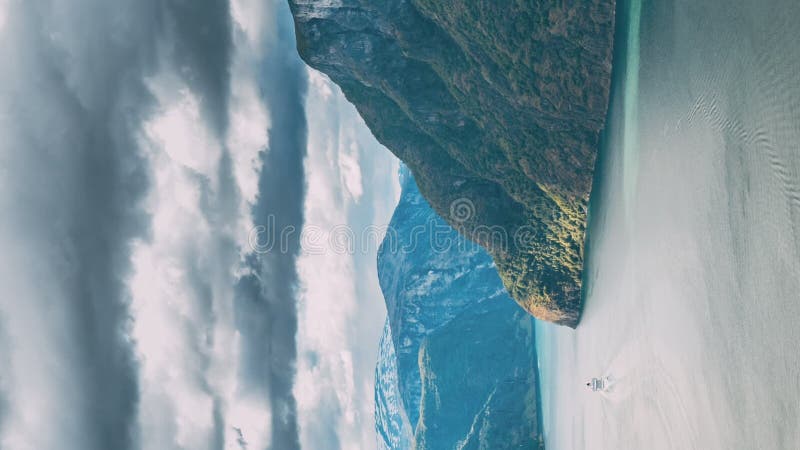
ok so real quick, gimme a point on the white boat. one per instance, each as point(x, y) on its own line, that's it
point(596, 384)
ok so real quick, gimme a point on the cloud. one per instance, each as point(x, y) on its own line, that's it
point(199, 387)
point(3, 13)
point(340, 304)
point(351, 171)
point(142, 140)
point(266, 301)
point(199, 44)
point(182, 291)
point(72, 187)
point(327, 296)
point(124, 214)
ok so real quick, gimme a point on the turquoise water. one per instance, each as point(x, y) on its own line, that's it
point(693, 268)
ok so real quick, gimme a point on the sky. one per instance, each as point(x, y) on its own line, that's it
point(152, 153)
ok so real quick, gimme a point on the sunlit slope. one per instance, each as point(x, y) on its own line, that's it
point(497, 108)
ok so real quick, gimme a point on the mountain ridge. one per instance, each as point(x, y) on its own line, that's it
point(495, 106)
point(447, 311)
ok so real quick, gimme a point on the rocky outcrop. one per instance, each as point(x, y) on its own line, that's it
point(496, 106)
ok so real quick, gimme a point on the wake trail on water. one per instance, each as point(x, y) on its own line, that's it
point(754, 103)
point(620, 374)
point(637, 379)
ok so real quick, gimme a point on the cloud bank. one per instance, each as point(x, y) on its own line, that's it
point(265, 305)
point(341, 310)
point(133, 134)
point(72, 187)
point(142, 141)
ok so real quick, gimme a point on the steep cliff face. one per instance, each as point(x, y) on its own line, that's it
point(448, 314)
point(495, 388)
point(495, 105)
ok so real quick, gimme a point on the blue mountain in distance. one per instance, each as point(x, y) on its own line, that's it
point(457, 363)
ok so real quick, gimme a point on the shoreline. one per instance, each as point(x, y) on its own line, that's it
point(613, 134)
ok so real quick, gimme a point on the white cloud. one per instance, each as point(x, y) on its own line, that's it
point(248, 133)
point(94, 81)
point(3, 13)
point(327, 299)
point(320, 84)
point(70, 203)
point(184, 326)
point(253, 18)
point(350, 170)
point(36, 376)
point(179, 128)
point(249, 117)
point(341, 310)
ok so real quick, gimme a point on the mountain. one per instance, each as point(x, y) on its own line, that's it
point(391, 421)
point(449, 315)
point(496, 106)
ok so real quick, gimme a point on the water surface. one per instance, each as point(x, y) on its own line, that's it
point(693, 273)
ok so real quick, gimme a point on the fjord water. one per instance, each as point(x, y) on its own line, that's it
point(693, 266)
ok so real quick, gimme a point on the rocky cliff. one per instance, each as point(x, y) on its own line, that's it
point(496, 106)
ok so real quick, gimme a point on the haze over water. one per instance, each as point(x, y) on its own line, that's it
point(693, 269)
